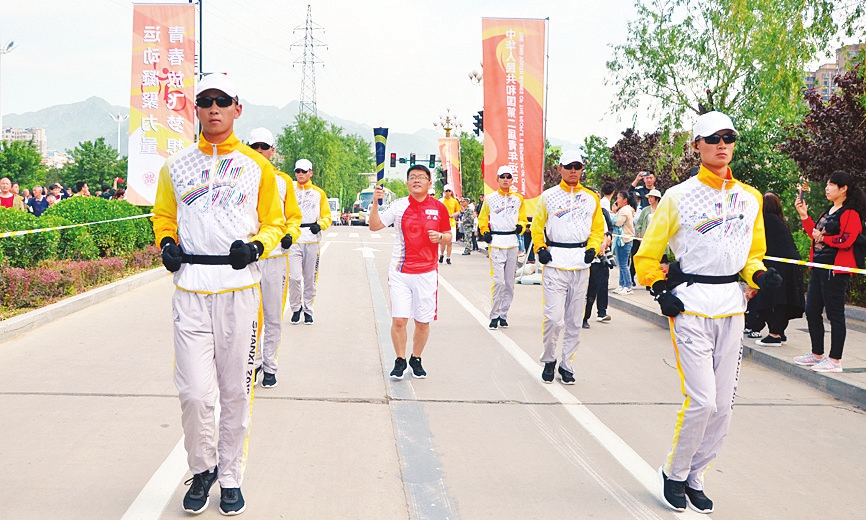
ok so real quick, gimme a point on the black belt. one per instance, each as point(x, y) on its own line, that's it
point(308, 225)
point(676, 277)
point(570, 245)
point(205, 259)
point(512, 232)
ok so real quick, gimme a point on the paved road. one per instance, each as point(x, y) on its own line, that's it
point(91, 421)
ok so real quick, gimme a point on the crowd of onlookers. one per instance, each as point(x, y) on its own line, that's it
point(40, 198)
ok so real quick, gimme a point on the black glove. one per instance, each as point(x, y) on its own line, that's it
point(487, 236)
point(670, 304)
point(518, 230)
point(170, 254)
point(286, 241)
point(589, 255)
point(769, 279)
point(315, 228)
point(543, 255)
point(243, 254)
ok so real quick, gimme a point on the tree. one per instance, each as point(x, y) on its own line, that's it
point(666, 155)
point(599, 160)
point(471, 157)
point(21, 162)
point(397, 186)
point(550, 176)
point(742, 57)
point(337, 159)
point(94, 163)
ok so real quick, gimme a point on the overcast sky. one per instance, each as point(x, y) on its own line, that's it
point(392, 63)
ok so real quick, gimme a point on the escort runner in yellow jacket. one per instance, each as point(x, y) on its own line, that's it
point(568, 222)
point(502, 216)
point(304, 256)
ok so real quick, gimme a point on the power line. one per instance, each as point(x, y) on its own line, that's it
point(308, 61)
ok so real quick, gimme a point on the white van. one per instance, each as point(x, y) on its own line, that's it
point(336, 211)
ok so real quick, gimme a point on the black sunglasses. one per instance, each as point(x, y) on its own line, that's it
point(505, 176)
point(207, 102)
point(263, 146)
point(715, 138)
point(298, 170)
point(573, 166)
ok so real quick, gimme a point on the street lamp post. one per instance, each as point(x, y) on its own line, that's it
point(6, 48)
point(447, 122)
point(119, 118)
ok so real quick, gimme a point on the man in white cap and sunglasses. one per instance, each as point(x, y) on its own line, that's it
point(304, 255)
point(567, 233)
point(216, 212)
point(275, 266)
point(454, 209)
point(714, 226)
point(501, 220)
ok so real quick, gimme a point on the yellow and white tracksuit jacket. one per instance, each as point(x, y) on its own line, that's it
point(714, 227)
point(291, 212)
point(314, 208)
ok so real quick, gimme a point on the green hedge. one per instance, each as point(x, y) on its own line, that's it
point(78, 243)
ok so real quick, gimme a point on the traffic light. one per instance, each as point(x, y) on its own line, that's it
point(393, 160)
point(432, 161)
point(443, 177)
point(411, 159)
point(479, 122)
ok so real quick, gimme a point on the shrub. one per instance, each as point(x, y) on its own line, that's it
point(113, 238)
point(25, 250)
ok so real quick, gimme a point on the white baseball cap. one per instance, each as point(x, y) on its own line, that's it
point(448, 187)
point(654, 193)
point(570, 156)
point(218, 81)
point(303, 164)
point(261, 135)
point(431, 191)
point(710, 123)
point(504, 169)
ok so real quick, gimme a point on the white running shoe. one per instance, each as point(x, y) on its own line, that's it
point(807, 360)
point(827, 365)
point(627, 291)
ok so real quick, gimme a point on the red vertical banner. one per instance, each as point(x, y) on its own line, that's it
point(161, 112)
point(513, 59)
point(449, 154)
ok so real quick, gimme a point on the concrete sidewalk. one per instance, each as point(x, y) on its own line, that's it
point(849, 386)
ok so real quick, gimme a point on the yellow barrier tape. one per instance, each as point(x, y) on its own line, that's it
point(29, 231)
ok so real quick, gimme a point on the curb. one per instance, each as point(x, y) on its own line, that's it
point(30, 320)
point(827, 383)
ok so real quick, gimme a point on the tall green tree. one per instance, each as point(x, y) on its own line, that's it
point(22, 163)
point(599, 160)
point(742, 57)
point(95, 163)
point(337, 159)
point(471, 157)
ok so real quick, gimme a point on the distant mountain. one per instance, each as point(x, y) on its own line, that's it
point(68, 125)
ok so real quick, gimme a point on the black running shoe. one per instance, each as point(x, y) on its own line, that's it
point(196, 498)
point(418, 371)
point(296, 317)
point(448, 260)
point(232, 502)
point(698, 501)
point(673, 492)
point(567, 377)
point(585, 324)
point(494, 323)
point(503, 323)
point(308, 319)
point(399, 368)
point(256, 375)
point(548, 372)
point(441, 258)
point(269, 380)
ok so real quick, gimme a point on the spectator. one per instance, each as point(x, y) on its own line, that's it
point(58, 192)
point(640, 192)
point(119, 194)
point(599, 276)
point(81, 189)
point(25, 194)
point(9, 199)
point(623, 234)
point(607, 191)
point(38, 203)
point(833, 238)
point(776, 307)
point(107, 192)
point(52, 200)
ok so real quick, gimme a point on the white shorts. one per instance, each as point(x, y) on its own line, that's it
point(414, 295)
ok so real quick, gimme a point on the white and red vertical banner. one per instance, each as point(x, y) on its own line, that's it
point(161, 106)
point(449, 154)
point(514, 84)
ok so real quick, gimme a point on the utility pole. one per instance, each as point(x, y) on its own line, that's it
point(308, 62)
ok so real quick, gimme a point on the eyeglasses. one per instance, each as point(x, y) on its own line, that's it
point(263, 146)
point(505, 176)
point(573, 166)
point(298, 170)
point(420, 178)
point(207, 102)
point(715, 138)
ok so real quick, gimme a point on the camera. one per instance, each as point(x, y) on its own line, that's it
point(608, 260)
point(644, 174)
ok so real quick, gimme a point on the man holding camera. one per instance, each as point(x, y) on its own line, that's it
point(501, 220)
point(649, 181)
point(567, 232)
point(216, 211)
point(715, 228)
